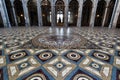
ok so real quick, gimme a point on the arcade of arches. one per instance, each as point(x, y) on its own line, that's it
point(80, 13)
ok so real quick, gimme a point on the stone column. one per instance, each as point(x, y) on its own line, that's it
point(114, 14)
point(26, 15)
point(14, 15)
point(53, 13)
point(105, 14)
point(80, 13)
point(93, 13)
point(39, 13)
point(66, 14)
point(4, 14)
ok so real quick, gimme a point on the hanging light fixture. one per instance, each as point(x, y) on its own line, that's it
point(44, 2)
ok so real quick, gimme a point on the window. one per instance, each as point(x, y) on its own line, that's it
point(59, 17)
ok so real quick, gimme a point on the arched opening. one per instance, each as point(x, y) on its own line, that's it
point(73, 13)
point(109, 13)
point(32, 9)
point(19, 12)
point(118, 22)
point(1, 21)
point(46, 12)
point(86, 13)
point(100, 13)
point(10, 12)
point(59, 11)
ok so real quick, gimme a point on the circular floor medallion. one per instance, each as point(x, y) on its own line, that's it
point(36, 77)
point(45, 55)
point(59, 65)
point(18, 55)
point(82, 77)
point(24, 65)
point(95, 65)
point(73, 56)
point(101, 56)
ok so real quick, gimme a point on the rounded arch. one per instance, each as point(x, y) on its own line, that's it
point(73, 13)
point(60, 0)
point(32, 9)
point(19, 12)
point(46, 12)
point(60, 3)
point(100, 13)
point(86, 13)
point(45, 2)
point(10, 12)
point(59, 11)
point(69, 1)
point(109, 13)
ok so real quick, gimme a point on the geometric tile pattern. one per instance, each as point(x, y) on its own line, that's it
point(45, 55)
point(31, 63)
point(58, 41)
point(22, 67)
point(97, 67)
point(17, 55)
point(59, 68)
point(103, 56)
point(37, 75)
point(81, 75)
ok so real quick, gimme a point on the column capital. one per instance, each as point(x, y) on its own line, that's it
point(25, 2)
point(80, 3)
point(12, 1)
point(107, 3)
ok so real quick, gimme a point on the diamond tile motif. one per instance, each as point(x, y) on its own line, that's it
point(80, 75)
point(38, 74)
point(22, 67)
point(59, 68)
point(97, 67)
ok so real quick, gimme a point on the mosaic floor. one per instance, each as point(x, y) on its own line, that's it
point(59, 54)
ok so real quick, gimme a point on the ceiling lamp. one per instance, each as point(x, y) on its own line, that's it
point(98, 15)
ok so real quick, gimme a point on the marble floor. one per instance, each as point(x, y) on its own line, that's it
point(43, 53)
